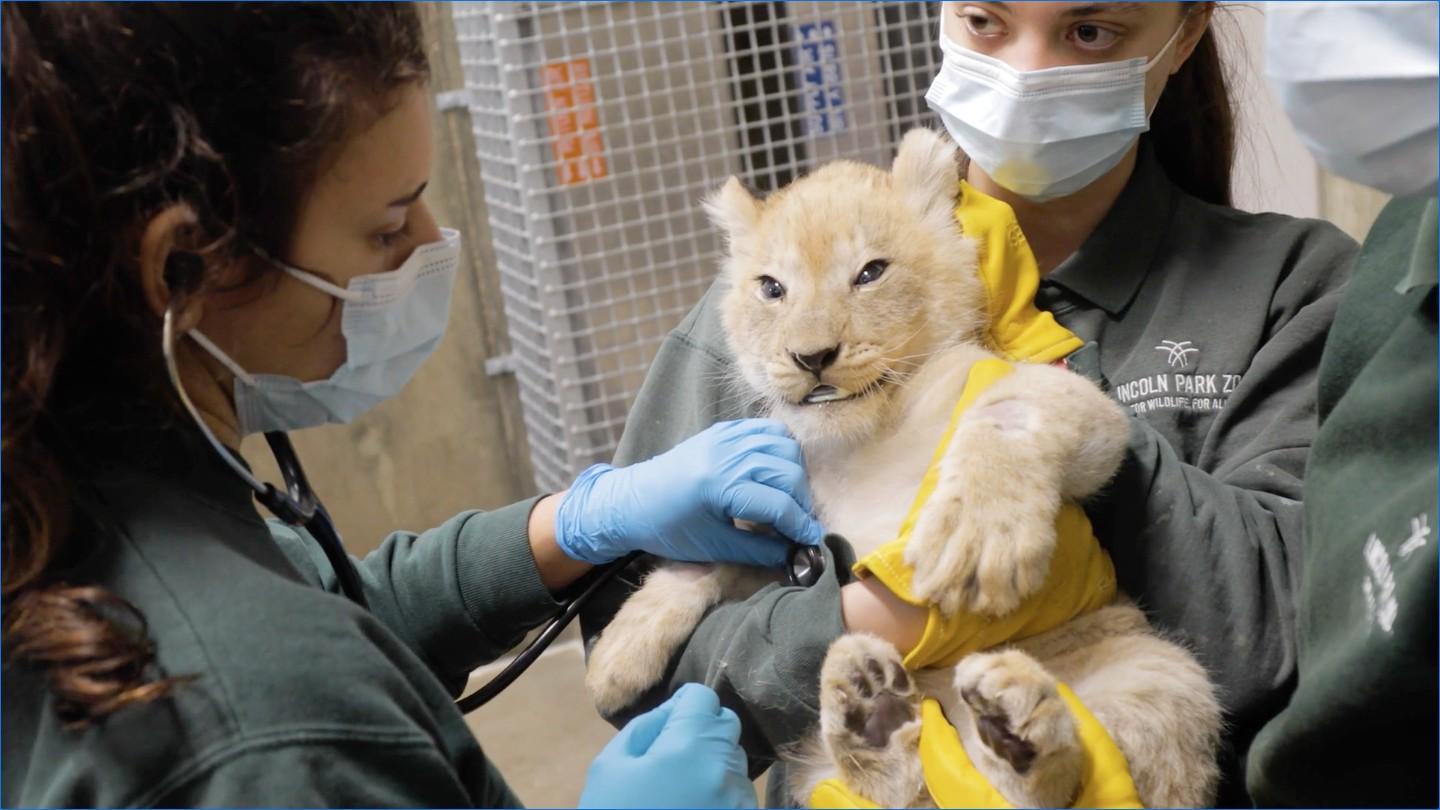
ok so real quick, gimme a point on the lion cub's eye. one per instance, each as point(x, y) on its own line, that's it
point(871, 272)
point(770, 289)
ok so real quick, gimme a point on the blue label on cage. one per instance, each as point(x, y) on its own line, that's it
point(818, 57)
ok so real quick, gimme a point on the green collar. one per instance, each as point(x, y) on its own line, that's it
point(132, 438)
point(1422, 255)
point(1108, 268)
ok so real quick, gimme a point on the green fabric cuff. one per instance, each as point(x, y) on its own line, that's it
point(500, 586)
point(800, 624)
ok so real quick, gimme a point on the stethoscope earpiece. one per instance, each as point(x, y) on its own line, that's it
point(184, 271)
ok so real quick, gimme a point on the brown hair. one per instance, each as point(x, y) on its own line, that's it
point(1193, 127)
point(112, 113)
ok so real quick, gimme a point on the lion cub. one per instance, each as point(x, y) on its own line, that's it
point(855, 313)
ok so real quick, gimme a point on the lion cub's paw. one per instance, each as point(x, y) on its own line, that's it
point(631, 655)
point(870, 720)
point(1034, 754)
point(617, 674)
point(865, 693)
point(982, 551)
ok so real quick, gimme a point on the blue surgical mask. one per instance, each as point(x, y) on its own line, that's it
point(391, 323)
point(1045, 133)
point(1359, 81)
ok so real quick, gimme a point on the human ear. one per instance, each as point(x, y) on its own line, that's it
point(168, 269)
point(1196, 23)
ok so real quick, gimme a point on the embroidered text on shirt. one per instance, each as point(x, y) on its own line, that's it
point(1379, 585)
point(1419, 530)
point(1176, 391)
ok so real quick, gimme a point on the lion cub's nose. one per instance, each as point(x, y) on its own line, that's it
point(816, 362)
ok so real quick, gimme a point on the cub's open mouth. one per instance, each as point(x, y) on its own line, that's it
point(824, 393)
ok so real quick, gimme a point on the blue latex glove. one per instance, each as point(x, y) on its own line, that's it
point(683, 753)
point(681, 504)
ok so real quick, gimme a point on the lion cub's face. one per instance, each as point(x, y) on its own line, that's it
point(843, 283)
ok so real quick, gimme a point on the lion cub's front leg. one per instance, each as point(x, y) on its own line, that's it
point(1033, 439)
point(631, 655)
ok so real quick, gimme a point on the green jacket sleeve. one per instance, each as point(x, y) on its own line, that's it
point(1212, 549)
point(460, 595)
point(1360, 727)
point(327, 771)
point(763, 657)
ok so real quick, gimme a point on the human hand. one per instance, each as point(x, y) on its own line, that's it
point(682, 504)
point(683, 753)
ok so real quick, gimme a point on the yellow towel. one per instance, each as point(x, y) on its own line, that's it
point(1081, 579)
point(1018, 329)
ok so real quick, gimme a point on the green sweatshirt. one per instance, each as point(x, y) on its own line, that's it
point(299, 697)
point(1208, 324)
point(1360, 728)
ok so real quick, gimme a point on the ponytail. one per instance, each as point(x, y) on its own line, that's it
point(1192, 130)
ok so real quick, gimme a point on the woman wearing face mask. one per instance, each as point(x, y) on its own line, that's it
point(1108, 128)
point(214, 226)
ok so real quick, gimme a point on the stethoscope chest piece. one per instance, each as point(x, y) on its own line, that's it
point(804, 565)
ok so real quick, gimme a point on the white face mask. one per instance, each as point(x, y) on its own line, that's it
point(1042, 133)
point(391, 323)
point(1359, 81)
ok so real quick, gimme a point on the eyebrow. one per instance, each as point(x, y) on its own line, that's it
point(1104, 8)
point(408, 199)
point(1087, 10)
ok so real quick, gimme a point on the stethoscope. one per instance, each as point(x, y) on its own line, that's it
point(298, 505)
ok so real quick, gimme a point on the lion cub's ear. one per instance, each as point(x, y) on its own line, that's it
point(926, 173)
point(733, 210)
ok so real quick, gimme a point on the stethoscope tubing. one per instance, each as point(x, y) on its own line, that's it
point(570, 608)
point(804, 567)
point(298, 505)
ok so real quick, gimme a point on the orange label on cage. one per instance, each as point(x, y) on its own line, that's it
point(575, 140)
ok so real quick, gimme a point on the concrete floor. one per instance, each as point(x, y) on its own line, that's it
point(542, 732)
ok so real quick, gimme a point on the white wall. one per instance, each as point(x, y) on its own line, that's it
point(1273, 171)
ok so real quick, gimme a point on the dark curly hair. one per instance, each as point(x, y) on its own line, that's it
point(113, 113)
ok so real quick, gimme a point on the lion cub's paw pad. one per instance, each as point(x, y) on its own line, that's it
point(1018, 713)
point(865, 687)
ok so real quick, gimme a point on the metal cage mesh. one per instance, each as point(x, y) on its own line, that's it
point(601, 126)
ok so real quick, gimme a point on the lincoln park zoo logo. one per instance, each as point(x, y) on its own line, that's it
point(1179, 389)
point(1177, 354)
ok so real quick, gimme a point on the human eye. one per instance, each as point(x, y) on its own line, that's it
point(389, 238)
point(980, 23)
point(1091, 36)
